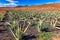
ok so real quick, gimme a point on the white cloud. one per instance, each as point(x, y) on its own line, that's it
point(56, 1)
point(53, 2)
point(11, 3)
point(8, 5)
point(10, 0)
point(50, 2)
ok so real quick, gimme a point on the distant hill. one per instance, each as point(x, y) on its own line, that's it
point(54, 6)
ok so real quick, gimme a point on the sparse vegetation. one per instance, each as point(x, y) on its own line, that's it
point(32, 18)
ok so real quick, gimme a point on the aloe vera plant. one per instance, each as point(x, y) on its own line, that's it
point(1, 16)
point(15, 26)
point(33, 18)
point(17, 34)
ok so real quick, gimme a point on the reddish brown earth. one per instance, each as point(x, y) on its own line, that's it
point(55, 6)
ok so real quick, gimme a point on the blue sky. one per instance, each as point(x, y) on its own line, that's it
point(13, 3)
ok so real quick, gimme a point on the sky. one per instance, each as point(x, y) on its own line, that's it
point(14, 3)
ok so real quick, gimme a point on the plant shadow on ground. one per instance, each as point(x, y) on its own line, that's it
point(29, 25)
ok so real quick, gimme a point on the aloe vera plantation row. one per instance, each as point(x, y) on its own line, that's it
point(39, 19)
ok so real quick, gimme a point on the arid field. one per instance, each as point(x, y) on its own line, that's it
point(36, 22)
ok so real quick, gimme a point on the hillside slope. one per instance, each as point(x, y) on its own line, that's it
point(55, 6)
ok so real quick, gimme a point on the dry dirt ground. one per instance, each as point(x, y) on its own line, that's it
point(57, 37)
point(5, 34)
